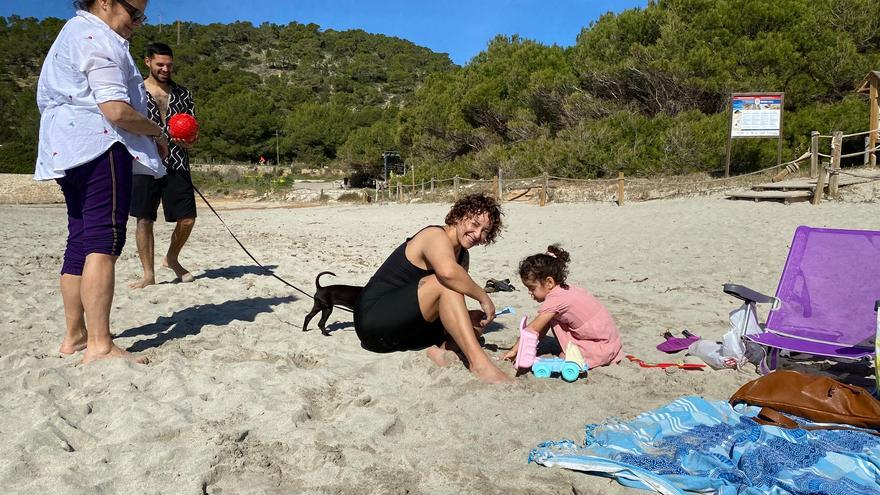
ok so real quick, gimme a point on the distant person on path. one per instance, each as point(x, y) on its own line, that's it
point(576, 316)
point(417, 297)
point(175, 190)
point(93, 134)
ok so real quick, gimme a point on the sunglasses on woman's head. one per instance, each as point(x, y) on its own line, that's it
point(137, 16)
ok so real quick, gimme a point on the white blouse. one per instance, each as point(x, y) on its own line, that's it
point(88, 64)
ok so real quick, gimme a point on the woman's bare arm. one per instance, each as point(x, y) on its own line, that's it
point(123, 115)
point(437, 252)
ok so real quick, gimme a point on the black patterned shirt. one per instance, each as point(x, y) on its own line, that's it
point(180, 100)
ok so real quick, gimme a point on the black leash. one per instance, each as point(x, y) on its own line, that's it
point(268, 271)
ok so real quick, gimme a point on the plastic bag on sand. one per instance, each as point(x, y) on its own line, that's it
point(733, 351)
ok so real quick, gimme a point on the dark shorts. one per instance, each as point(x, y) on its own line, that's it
point(175, 191)
point(97, 194)
point(388, 319)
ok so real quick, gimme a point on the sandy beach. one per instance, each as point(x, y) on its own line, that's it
point(237, 399)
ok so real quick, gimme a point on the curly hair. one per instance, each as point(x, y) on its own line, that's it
point(477, 204)
point(553, 263)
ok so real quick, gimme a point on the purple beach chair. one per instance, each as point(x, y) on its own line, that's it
point(825, 300)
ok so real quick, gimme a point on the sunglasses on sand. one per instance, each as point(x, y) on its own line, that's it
point(137, 16)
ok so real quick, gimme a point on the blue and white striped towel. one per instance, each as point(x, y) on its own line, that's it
point(698, 446)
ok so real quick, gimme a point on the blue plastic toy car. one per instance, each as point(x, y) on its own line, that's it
point(570, 371)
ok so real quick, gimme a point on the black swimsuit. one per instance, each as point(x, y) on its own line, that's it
point(387, 316)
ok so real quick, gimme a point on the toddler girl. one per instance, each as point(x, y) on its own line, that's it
point(576, 316)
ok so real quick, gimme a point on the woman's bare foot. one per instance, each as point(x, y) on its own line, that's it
point(489, 373)
point(71, 345)
point(440, 356)
point(113, 352)
point(183, 275)
point(140, 284)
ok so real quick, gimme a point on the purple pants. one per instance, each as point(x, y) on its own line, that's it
point(98, 194)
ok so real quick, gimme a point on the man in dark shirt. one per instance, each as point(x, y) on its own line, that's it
point(165, 98)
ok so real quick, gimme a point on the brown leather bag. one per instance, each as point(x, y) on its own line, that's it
point(816, 398)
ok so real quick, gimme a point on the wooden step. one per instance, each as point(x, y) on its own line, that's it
point(787, 185)
point(522, 194)
point(784, 196)
point(846, 180)
point(810, 184)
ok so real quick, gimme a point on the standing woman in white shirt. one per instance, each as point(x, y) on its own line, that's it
point(93, 132)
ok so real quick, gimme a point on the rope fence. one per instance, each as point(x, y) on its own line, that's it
point(545, 188)
point(866, 178)
point(863, 133)
point(860, 153)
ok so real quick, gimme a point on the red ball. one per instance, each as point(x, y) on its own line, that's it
point(183, 126)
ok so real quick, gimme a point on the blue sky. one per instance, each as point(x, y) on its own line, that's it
point(460, 28)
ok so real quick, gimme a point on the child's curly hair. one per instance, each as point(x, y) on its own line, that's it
point(476, 204)
point(553, 263)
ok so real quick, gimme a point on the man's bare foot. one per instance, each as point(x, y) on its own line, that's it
point(71, 345)
point(113, 352)
point(140, 284)
point(439, 356)
point(183, 275)
point(489, 373)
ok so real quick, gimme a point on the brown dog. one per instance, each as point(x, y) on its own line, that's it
point(329, 296)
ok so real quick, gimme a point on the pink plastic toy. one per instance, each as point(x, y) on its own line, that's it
point(528, 346)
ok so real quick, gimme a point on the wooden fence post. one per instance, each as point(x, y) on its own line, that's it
point(874, 112)
point(432, 185)
point(455, 186)
point(544, 191)
point(500, 187)
point(620, 189)
point(867, 160)
point(814, 154)
point(820, 187)
point(399, 193)
point(836, 145)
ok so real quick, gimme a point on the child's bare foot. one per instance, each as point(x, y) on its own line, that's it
point(71, 345)
point(113, 352)
point(183, 275)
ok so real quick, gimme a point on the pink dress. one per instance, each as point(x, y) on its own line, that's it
point(582, 319)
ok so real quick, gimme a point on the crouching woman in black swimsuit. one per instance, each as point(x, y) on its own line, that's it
point(416, 298)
